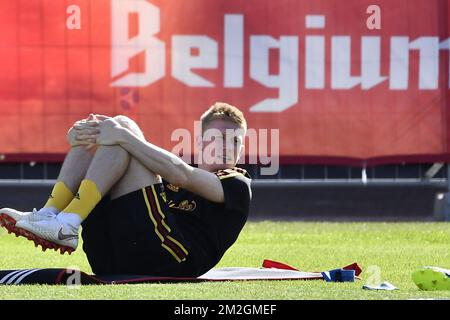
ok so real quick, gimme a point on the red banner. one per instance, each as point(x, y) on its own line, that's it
point(343, 81)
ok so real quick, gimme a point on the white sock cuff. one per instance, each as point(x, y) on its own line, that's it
point(51, 210)
point(71, 218)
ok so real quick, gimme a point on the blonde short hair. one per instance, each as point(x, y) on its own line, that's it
point(226, 112)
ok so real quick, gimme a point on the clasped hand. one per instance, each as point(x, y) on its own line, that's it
point(95, 130)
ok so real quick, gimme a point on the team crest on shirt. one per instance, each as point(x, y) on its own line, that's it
point(184, 205)
point(172, 187)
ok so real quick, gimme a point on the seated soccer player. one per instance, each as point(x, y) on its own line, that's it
point(143, 210)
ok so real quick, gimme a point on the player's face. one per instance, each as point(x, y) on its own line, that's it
point(222, 145)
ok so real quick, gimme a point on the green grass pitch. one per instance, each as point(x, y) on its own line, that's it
point(385, 251)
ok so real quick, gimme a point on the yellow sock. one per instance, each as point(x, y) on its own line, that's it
point(85, 200)
point(60, 196)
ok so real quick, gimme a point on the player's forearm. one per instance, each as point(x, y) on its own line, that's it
point(156, 159)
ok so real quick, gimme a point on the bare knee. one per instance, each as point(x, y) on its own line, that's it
point(130, 125)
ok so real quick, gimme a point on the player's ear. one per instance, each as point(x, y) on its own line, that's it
point(241, 152)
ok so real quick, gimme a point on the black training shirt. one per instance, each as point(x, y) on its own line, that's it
point(208, 227)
